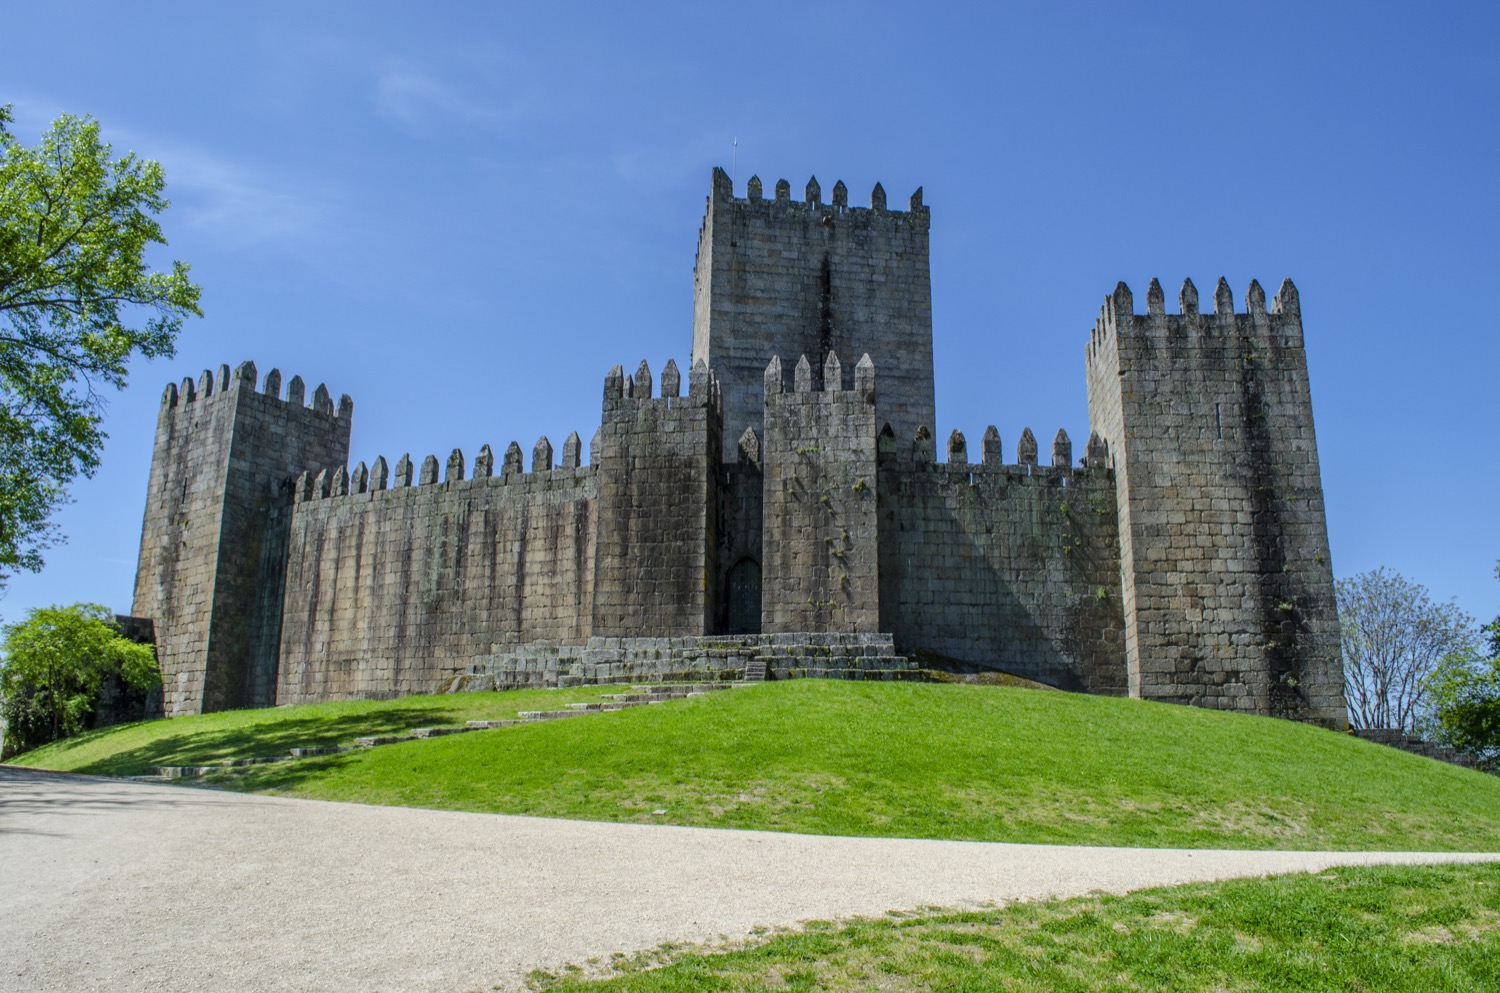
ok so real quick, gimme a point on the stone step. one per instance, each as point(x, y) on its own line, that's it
point(489, 725)
point(680, 687)
point(437, 732)
point(308, 753)
point(549, 715)
point(183, 771)
point(384, 739)
point(189, 771)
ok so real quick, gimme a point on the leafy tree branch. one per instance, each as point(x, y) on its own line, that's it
point(78, 300)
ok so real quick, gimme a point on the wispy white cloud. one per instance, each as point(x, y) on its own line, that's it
point(421, 100)
point(238, 205)
point(33, 115)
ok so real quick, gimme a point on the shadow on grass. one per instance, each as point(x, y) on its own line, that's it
point(209, 745)
point(283, 777)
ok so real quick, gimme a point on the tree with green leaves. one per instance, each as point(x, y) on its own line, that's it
point(52, 665)
point(1394, 637)
point(1493, 627)
point(1465, 695)
point(77, 301)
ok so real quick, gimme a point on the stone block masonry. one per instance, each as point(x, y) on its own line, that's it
point(1226, 580)
point(776, 276)
point(785, 515)
point(212, 552)
point(819, 524)
point(658, 470)
point(395, 591)
point(986, 566)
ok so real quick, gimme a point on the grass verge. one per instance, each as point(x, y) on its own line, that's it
point(1434, 929)
point(872, 759)
point(132, 749)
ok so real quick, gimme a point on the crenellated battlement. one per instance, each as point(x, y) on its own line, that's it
point(721, 193)
point(244, 380)
point(368, 480)
point(923, 454)
point(830, 379)
point(703, 386)
point(1281, 318)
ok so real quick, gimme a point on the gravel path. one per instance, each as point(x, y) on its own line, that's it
point(111, 885)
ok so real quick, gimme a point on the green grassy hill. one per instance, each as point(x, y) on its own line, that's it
point(879, 759)
point(1418, 929)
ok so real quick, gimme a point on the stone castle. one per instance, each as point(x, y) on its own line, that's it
point(786, 514)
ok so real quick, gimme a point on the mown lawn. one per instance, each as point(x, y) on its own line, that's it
point(132, 749)
point(873, 759)
point(1431, 929)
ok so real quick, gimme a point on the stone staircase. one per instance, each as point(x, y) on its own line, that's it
point(635, 696)
point(709, 658)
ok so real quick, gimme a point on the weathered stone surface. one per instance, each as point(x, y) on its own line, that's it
point(779, 277)
point(658, 476)
point(1227, 584)
point(1185, 559)
point(1011, 568)
point(213, 537)
point(395, 592)
point(819, 519)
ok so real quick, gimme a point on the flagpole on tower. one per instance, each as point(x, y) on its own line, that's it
point(734, 160)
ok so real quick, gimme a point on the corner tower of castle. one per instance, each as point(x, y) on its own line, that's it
point(780, 277)
point(1224, 561)
point(212, 564)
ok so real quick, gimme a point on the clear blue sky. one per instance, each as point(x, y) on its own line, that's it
point(463, 214)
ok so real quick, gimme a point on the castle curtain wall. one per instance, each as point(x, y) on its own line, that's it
point(1011, 568)
point(396, 591)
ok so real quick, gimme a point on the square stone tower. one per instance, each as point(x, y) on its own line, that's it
point(213, 538)
point(785, 278)
point(1225, 572)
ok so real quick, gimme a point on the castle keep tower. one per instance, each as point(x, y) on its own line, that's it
point(786, 513)
point(213, 540)
point(777, 277)
point(1224, 565)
